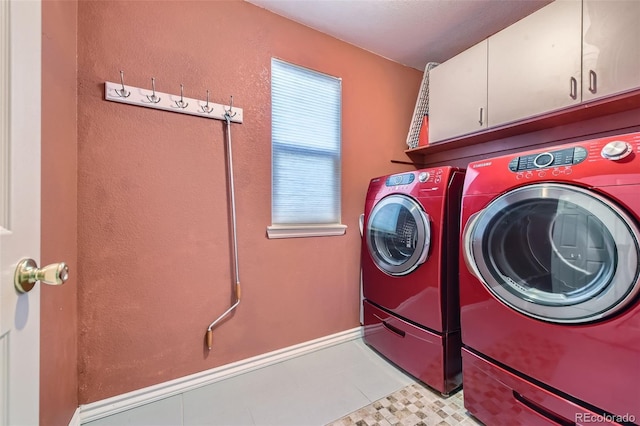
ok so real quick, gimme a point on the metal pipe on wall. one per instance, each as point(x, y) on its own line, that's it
point(227, 117)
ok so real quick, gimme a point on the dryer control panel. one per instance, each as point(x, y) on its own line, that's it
point(562, 157)
point(404, 179)
point(432, 176)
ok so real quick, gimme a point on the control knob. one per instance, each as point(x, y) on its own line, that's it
point(423, 176)
point(616, 150)
point(543, 160)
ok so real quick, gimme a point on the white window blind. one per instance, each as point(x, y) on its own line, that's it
point(306, 146)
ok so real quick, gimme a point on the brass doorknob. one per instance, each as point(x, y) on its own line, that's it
point(27, 273)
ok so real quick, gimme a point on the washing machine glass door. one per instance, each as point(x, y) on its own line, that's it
point(555, 252)
point(398, 234)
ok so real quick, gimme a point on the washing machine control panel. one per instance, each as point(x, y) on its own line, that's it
point(404, 179)
point(562, 157)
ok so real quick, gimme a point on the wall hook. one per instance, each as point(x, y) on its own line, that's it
point(206, 108)
point(174, 102)
point(123, 93)
point(227, 112)
point(153, 98)
point(181, 103)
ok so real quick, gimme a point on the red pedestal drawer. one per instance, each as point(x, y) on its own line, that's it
point(429, 357)
point(498, 397)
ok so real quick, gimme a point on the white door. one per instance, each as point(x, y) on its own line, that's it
point(20, 33)
point(610, 47)
point(535, 64)
point(458, 94)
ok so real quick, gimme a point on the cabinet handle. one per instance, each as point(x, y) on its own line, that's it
point(389, 327)
point(573, 88)
point(481, 116)
point(394, 330)
point(543, 411)
point(593, 81)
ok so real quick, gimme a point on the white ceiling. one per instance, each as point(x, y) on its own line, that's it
point(410, 32)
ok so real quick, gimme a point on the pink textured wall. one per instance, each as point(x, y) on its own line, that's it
point(153, 234)
point(59, 317)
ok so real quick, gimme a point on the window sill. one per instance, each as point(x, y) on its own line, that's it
point(298, 231)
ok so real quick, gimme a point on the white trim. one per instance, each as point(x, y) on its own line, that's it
point(75, 420)
point(107, 407)
point(4, 115)
point(295, 231)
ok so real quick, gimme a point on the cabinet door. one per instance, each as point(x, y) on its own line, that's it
point(610, 47)
point(535, 64)
point(458, 94)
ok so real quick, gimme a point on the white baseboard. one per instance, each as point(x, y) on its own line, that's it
point(75, 420)
point(107, 407)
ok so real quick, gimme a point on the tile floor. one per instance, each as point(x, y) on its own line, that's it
point(412, 405)
point(346, 384)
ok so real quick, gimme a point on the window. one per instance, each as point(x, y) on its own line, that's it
point(306, 152)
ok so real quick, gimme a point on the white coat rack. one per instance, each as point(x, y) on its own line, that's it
point(150, 98)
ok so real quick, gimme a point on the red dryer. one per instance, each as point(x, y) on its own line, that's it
point(549, 285)
point(410, 273)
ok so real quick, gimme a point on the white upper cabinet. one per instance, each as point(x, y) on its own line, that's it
point(610, 47)
point(535, 64)
point(458, 95)
point(567, 53)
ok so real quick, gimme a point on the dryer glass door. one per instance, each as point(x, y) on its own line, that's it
point(555, 252)
point(398, 234)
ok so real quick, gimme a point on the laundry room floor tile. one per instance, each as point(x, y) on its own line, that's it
point(313, 389)
point(411, 405)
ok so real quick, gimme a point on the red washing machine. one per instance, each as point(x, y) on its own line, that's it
point(410, 273)
point(549, 285)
